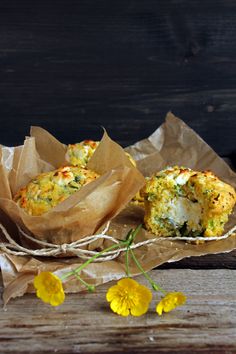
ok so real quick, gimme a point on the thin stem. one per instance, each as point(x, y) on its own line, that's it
point(153, 284)
point(127, 261)
point(136, 231)
point(127, 242)
point(90, 260)
point(88, 286)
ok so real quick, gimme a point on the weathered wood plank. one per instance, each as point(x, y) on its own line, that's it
point(206, 324)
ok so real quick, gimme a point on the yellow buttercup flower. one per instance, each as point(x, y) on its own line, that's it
point(170, 302)
point(49, 288)
point(129, 297)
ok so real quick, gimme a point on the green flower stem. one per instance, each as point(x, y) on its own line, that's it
point(155, 286)
point(132, 234)
point(130, 239)
point(127, 261)
point(88, 286)
point(124, 243)
point(90, 260)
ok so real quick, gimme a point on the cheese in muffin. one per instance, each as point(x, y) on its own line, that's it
point(182, 202)
point(79, 154)
point(49, 189)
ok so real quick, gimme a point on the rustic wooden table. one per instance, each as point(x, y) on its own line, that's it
point(84, 323)
point(75, 66)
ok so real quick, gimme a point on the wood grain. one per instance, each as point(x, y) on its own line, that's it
point(84, 323)
point(123, 65)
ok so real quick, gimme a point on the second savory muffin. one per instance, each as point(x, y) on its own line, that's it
point(49, 189)
point(183, 202)
point(79, 154)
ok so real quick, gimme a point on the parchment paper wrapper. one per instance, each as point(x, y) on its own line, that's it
point(84, 212)
point(172, 143)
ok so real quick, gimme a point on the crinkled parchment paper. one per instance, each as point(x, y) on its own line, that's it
point(172, 143)
point(84, 212)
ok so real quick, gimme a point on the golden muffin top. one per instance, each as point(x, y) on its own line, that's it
point(79, 154)
point(49, 189)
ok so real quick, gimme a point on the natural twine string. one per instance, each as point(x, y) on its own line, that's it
point(75, 248)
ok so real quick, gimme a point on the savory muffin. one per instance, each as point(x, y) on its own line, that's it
point(79, 154)
point(138, 199)
point(49, 189)
point(182, 202)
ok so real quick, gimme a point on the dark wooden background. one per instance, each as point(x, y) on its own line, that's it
point(74, 66)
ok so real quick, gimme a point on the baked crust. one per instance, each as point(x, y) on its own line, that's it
point(49, 189)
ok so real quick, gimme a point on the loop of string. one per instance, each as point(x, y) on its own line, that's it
point(75, 248)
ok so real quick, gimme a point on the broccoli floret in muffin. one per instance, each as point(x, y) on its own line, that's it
point(183, 202)
point(49, 189)
point(79, 154)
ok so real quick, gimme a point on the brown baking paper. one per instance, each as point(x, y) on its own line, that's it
point(172, 143)
point(84, 212)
